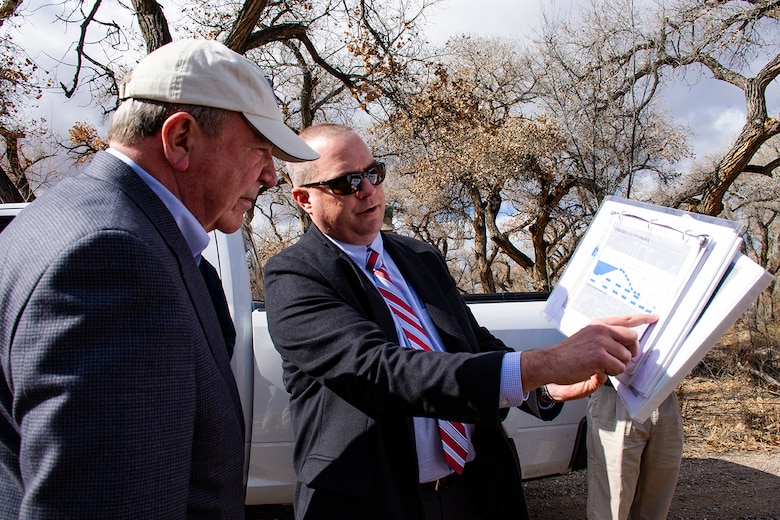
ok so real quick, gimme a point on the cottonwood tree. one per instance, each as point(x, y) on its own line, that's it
point(754, 199)
point(633, 55)
point(476, 161)
point(724, 40)
point(526, 184)
point(20, 86)
point(611, 143)
point(728, 39)
point(619, 139)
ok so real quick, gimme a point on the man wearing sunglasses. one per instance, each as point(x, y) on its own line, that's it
point(386, 366)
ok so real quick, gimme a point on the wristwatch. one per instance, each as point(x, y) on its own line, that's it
point(544, 396)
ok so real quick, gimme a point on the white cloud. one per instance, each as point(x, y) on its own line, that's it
point(729, 121)
point(713, 111)
point(718, 128)
point(509, 18)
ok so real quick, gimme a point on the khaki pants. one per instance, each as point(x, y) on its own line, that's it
point(632, 466)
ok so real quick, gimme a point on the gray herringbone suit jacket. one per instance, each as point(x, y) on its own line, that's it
point(116, 395)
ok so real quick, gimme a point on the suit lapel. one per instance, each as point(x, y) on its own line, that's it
point(349, 281)
point(418, 275)
point(108, 168)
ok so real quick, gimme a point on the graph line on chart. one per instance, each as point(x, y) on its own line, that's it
point(616, 282)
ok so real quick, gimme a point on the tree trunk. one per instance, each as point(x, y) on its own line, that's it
point(540, 277)
point(8, 191)
point(245, 24)
point(153, 24)
point(753, 135)
point(480, 244)
point(14, 186)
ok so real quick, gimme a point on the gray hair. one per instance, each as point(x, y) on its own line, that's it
point(137, 119)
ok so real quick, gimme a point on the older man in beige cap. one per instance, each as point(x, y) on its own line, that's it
point(116, 395)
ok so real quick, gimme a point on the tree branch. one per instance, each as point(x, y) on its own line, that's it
point(80, 49)
point(766, 170)
point(241, 32)
point(288, 31)
point(7, 9)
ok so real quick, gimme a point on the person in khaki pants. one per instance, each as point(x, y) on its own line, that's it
point(632, 465)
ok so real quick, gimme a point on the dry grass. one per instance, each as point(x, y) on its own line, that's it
point(727, 407)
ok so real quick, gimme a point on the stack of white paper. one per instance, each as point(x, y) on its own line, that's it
point(740, 287)
point(641, 258)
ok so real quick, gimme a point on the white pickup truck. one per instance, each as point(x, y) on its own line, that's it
point(545, 448)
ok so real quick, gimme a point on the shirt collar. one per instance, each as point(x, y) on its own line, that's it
point(358, 253)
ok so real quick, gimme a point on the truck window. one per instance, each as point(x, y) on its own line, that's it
point(5, 220)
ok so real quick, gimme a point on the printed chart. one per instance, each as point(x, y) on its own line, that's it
point(640, 258)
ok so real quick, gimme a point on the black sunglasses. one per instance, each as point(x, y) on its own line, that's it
point(351, 182)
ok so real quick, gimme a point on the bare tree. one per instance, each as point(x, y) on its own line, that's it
point(754, 199)
point(526, 185)
point(363, 44)
point(478, 162)
point(618, 136)
point(725, 39)
point(20, 87)
point(728, 38)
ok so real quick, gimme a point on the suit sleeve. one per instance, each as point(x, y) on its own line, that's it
point(105, 384)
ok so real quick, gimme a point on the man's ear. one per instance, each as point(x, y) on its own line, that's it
point(178, 135)
point(301, 196)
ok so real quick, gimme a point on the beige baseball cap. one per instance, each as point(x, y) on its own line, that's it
point(207, 73)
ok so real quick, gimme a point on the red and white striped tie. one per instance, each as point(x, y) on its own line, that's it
point(453, 434)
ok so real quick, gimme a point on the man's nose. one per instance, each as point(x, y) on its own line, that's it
point(268, 177)
point(365, 189)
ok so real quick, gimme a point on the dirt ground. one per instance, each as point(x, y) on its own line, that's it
point(727, 486)
point(730, 469)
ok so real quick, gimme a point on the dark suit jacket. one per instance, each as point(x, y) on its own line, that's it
point(116, 395)
point(354, 389)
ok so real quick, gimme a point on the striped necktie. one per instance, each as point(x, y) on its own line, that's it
point(453, 434)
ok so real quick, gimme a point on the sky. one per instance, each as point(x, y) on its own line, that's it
point(713, 110)
point(511, 18)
